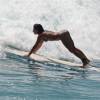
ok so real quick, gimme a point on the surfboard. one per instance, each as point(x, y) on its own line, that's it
point(41, 58)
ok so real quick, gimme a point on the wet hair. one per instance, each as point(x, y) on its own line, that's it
point(38, 28)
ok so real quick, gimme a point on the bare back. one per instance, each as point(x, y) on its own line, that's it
point(52, 36)
point(64, 36)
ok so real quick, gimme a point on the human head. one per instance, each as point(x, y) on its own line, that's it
point(38, 29)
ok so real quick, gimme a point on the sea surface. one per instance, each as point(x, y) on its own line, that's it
point(23, 79)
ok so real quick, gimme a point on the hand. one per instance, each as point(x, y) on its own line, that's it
point(27, 55)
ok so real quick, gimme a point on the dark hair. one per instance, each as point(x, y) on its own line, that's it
point(38, 28)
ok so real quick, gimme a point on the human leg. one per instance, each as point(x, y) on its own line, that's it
point(69, 44)
point(80, 55)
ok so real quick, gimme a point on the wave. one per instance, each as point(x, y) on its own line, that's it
point(80, 17)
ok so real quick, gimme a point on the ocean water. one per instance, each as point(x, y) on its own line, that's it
point(23, 79)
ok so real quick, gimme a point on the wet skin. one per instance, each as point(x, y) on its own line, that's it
point(64, 37)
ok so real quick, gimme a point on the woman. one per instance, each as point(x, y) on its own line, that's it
point(44, 35)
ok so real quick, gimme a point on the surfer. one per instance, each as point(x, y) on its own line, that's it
point(44, 35)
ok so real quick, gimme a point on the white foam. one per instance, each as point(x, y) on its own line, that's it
point(80, 17)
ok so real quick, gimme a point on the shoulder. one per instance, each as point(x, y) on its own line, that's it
point(41, 37)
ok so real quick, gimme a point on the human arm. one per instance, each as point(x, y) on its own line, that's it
point(37, 45)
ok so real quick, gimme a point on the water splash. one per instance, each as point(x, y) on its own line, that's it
point(80, 17)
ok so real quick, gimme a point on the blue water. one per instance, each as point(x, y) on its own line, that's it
point(22, 79)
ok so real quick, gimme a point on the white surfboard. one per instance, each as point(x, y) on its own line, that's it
point(41, 58)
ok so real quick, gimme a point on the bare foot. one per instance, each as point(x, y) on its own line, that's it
point(85, 62)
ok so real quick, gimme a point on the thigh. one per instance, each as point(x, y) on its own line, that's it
point(67, 40)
